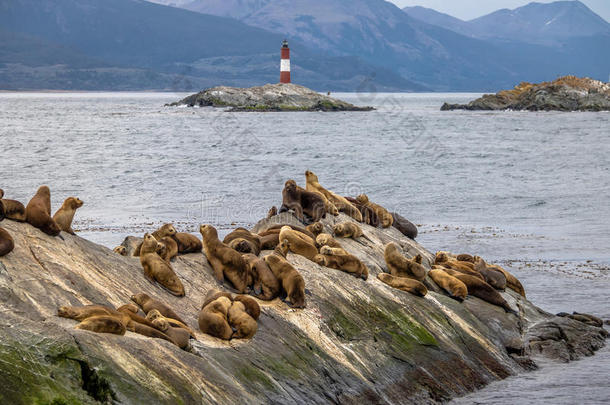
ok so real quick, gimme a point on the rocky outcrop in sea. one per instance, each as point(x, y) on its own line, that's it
point(567, 93)
point(270, 97)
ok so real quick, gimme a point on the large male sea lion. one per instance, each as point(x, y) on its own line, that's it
point(453, 286)
point(7, 244)
point(213, 318)
point(400, 266)
point(245, 326)
point(265, 285)
point(298, 243)
point(404, 284)
point(155, 268)
point(302, 202)
point(65, 215)
point(243, 241)
point(225, 261)
point(148, 303)
point(312, 184)
point(385, 218)
point(291, 280)
point(404, 226)
point(38, 212)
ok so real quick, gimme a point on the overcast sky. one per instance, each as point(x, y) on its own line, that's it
point(469, 9)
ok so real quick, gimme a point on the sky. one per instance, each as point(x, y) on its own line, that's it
point(469, 9)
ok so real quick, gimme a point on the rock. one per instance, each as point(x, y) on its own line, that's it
point(356, 341)
point(567, 93)
point(270, 97)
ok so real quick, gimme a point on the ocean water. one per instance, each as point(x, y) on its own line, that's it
point(528, 190)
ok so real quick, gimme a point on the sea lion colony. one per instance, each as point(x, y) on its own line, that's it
point(239, 262)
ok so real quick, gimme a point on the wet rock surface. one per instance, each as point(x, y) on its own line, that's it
point(356, 340)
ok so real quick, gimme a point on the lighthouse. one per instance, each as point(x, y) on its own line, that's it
point(285, 64)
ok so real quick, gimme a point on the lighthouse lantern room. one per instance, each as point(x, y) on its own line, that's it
point(285, 64)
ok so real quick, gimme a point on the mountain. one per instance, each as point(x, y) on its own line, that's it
point(434, 17)
point(164, 47)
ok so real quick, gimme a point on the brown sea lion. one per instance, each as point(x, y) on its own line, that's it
point(171, 248)
point(265, 285)
point(120, 250)
point(243, 241)
point(157, 269)
point(480, 289)
point(302, 202)
point(445, 260)
point(252, 307)
point(512, 282)
point(225, 261)
point(276, 229)
point(65, 215)
point(148, 304)
point(163, 231)
point(312, 184)
point(154, 314)
point(347, 230)
point(329, 250)
point(181, 337)
point(404, 284)
point(7, 244)
point(12, 209)
point(453, 286)
point(298, 243)
point(465, 257)
point(187, 243)
point(316, 228)
point(84, 312)
point(385, 218)
point(245, 326)
point(282, 249)
point(291, 280)
point(404, 226)
point(343, 261)
point(326, 239)
point(494, 278)
point(38, 212)
point(369, 216)
point(214, 294)
point(128, 310)
point(269, 242)
point(400, 266)
point(103, 324)
point(272, 212)
point(213, 319)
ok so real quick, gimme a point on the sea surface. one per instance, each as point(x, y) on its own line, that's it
point(528, 190)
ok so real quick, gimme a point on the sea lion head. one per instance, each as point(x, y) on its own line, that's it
point(385, 277)
point(153, 314)
point(208, 231)
point(161, 249)
point(362, 199)
point(120, 250)
point(320, 259)
point(140, 298)
point(326, 250)
point(441, 257)
point(310, 176)
point(129, 307)
point(161, 324)
point(339, 229)
point(66, 312)
point(290, 185)
point(317, 227)
point(43, 191)
point(167, 230)
point(417, 259)
point(149, 245)
point(391, 247)
point(73, 203)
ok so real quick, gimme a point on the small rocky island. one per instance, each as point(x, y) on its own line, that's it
point(270, 97)
point(567, 93)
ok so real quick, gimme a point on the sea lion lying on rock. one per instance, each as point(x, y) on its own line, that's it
point(584, 318)
point(160, 233)
point(252, 307)
point(312, 184)
point(316, 228)
point(347, 230)
point(453, 286)
point(400, 266)
point(444, 260)
point(265, 285)
point(181, 337)
point(385, 218)
point(404, 284)
point(225, 261)
point(157, 269)
point(154, 314)
point(326, 239)
point(298, 242)
point(103, 324)
point(38, 212)
point(245, 326)
point(243, 241)
point(290, 279)
point(276, 229)
point(302, 202)
point(148, 303)
point(187, 243)
point(7, 244)
point(404, 226)
point(494, 278)
point(369, 216)
point(11, 209)
point(339, 259)
point(213, 318)
point(65, 215)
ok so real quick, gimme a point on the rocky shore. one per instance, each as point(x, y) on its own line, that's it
point(357, 341)
point(567, 93)
point(270, 97)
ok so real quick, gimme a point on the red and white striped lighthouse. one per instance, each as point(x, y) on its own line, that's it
point(285, 64)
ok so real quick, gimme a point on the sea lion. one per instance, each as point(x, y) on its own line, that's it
point(131, 311)
point(38, 212)
point(584, 318)
point(120, 250)
point(272, 212)
point(213, 319)
point(148, 303)
point(400, 266)
point(243, 241)
point(326, 239)
point(154, 314)
point(252, 307)
point(344, 262)
point(171, 248)
point(276, 229)
point(291, 280)
point(103, 324)
point(225, 261)
point(282, 249)
point(157, 269)
point(494, 278)
point(65, 215)
point(269, 242)
point(329, 250)
point(181, 337)
point(347, 230)
point(7, 244)
point(385, 218)
point(512, 282)
point(445, 260)
point(298, 243)
point(245, 326)
point(465, 257)
point(12, 209)
point(369, 216)
point(160, 233)
point(84, 312)
point(453, 286)
point(480, 289)
point(302, 202)
point(404, 226)
point(187, 243)
point(404, 284)
point(214, 294)
point(265, 285)
point(312, 184)
point(316, 228)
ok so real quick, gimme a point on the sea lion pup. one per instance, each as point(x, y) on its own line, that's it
point(404, 284)
point(291, 280)
point(312, 184)
point(187, 243)
point(400, 266)
point(154, 314)
point(180, 337)
point(272, 212)
point(298, 243)
point(243, 241)
point(225, 261)
point(316, 228)
point(38, 212)
point(213, 318)
point(453, 286)
point(385, 218)
point(252, 307)
point(171, 248)
point(368, 215)
point(347, 230)
point(265, 285)
point(7, 244)
point(147, 304)
point(326, 239)
point(157, 269)
point(339, 259)
point(120, 250)
point(65, 215)
point(12, 209)
point(494, 278)
point(302, 202)
point(103, 324)
point(245, 326)
point(480, 289)
point(512, 282)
